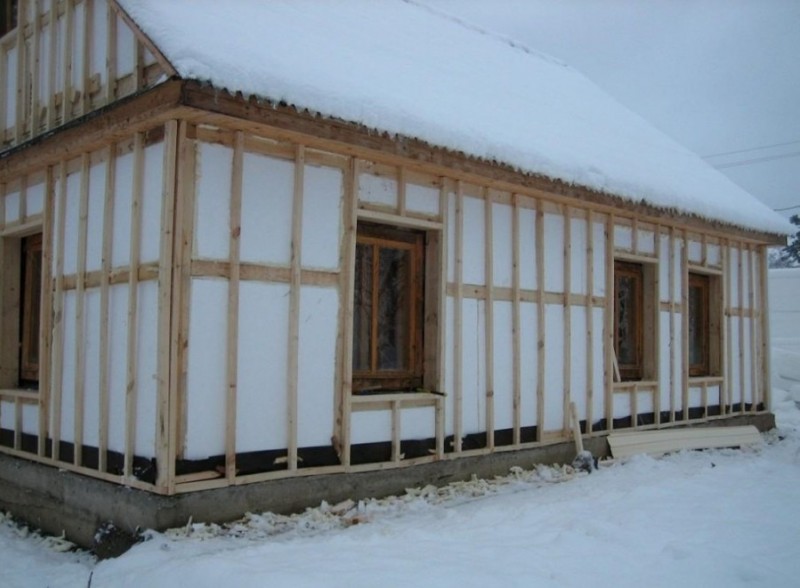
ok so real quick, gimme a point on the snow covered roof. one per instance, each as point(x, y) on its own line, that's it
point(400, 67)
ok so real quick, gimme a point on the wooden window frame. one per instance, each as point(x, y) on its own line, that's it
point(14, 372)
point(30, 305)
point(644, 366)
point(9, 16)
point(710, 334)
point(374, 380)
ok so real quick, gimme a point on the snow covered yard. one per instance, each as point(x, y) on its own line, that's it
point(714, 518)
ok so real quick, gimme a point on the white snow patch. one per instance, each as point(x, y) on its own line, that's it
point(373, 63)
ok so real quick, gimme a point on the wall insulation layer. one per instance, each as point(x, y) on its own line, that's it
point(198, 304)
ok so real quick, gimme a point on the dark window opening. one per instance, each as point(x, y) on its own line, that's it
point(629, 319)
point(8, 16)
point(699, 325)
point(388, 309)
point(30, 303)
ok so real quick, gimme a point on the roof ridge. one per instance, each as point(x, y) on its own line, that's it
point(513, 43)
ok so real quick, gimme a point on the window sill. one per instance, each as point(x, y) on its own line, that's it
point(28, 396)
point(389, 400)
point(630, 384)
point(705, 379)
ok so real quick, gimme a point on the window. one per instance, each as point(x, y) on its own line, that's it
point(634, 319)
point(388, 309)
point(8, 16)
point(20, 300)
point(30, 301)
point(704, 325)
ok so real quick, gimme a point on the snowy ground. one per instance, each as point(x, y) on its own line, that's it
point(715, 518)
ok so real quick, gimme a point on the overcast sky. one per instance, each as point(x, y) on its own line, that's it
point(720, 76)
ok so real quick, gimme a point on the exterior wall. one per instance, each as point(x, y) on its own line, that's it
point(225, 356)
point(65, 59)
point(520, 302)
point(101, 214)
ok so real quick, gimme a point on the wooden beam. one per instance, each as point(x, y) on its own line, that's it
point(740, 302)
point(516, 376)
point(94, 131)
point(540, 322)
point(294, 307)
point(489, 317)
point(80, 297)
point(58, 313)
point(458, 331)
point(589, 321)
point(46, 313)
point(346, 289)
point(608, 324)
point(105, 334)
point(754, 348)
point(164, 434)
point(685, 323)
point(672, 350)
point(766, 343)
point(234, 244)
point(132, 384)
point(142, 38)
point(567, 319)
point(181, 284)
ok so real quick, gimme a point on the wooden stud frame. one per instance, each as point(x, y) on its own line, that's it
point(40, 105)
point(176, 267)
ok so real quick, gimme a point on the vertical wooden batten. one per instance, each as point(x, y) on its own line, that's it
point(489, 316)
point(685, 324)
point(46, 314)
point(164, 433)
point(294, 305)
point(58, 315)
point(346, 289)
point(104, 376)
point(516, 376)
point(131, 386)
point(740, 309)
point(80, 302)
point(608, 324)
point(567, 318)
point(181, 284)
point(233, 305)
point(540, 321)
point(589, 320)
point(766, 366)
point(458, 330)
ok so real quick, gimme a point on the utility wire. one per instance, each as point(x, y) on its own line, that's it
point(787, 208)
point(750, 149)
point(758, 160)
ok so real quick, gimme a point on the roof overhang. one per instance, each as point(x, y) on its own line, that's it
point(201, 103)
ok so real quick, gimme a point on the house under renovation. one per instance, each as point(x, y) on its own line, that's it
point(259, 254)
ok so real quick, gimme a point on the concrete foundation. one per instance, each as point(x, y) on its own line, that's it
point(57, 501)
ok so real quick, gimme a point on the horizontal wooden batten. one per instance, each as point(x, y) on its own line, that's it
point(25, 396)
point(94, 131)
point(507, 294)
point(262, 273)
point(94, 279)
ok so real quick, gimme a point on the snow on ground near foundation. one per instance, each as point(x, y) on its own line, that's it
point(403, 68)
point(713, 518)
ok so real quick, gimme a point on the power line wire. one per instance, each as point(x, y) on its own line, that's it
point(758, 160)
point(750, 149)
point(787, 208)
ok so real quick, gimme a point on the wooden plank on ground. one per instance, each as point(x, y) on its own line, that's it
point(658, 442)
